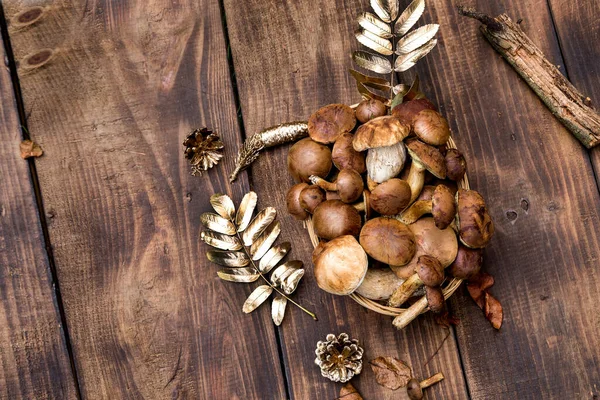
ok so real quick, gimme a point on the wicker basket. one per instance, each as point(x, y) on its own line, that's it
point(403, 316)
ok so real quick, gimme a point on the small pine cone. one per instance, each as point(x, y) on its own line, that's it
point(203, 149)
point(339, 358)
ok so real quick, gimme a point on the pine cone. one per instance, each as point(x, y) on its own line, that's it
point(339, 358)
point(203, 149)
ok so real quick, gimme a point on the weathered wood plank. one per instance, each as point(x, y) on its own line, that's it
point(34, 362)
point(291, 58)
point(111, 101)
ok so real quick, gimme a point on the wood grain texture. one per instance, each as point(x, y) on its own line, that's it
point(291, 58)
point(110, 101)
point(540, 189)
point(34, 362)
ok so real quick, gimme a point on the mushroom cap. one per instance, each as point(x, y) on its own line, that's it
point(327, 123)
point(292, 201)
point(467, 263)
point(349, 185)
point(426, 193)
point(341, 266)
point(369, 109)
point(427, 156)
point(414, 390)
point(379, 284)
point(456, 165)
point(443, 206)
point(380, 132)
point(307, 158)
point(441, 244)
point(406, 111)
point(431, 127)
point(333, 218)
point(310, 197)
point(344, 155)
point(435, 299)
point(430, 271)
point(475, 225)
point(391, 197)
point(388, 240)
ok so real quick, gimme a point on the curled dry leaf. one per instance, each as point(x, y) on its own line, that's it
point(493, 310)
point(256, 298)
point(349, 392)
point(278, 309)
point(391, 372)
point(478, 289)
point(217, 223)
point(244, 213)
point(30, 149)
point(273, 256)
point(223, 205)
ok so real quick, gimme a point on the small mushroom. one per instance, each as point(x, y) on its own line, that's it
point(431, 127)
point(435, 299)
point(310, 197)
point(341, 266)
point(388, 240)
point(414, 388)
point(467, 263)
point(344, 155)
point(333, 218)
point(349, 185)
point(328, 123)
point(424, 158)
point(456, 165)
point(390, 197)
point(292, 201)
point(379, 284)
point(442, 206)
point(475, 225)
point(307, 158)
point(369, 109)
point(408, 110)
point(430, 272)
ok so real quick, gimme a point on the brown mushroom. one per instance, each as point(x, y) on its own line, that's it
point(307, 158)
point(408, 110)
point(341, 265)
point(379, 284)
point(292, 201)
point(388, 240)
point(442, 206)
point(430, 272)
point(426, 193)
point(431, 127)
point(475, 225)
point(343, 154)
point(435, 299)
point(414, 388)
point(369, 109)
point(456, 165)
point(468, 262)
point(364, 205)
point(349, 185)
point(333, 218)
point(424, 158)
point(328, 123)
point(310, 197)
point(390, 197)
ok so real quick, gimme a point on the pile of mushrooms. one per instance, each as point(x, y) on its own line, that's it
point(382, 190)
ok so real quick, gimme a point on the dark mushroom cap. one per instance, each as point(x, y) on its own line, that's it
point(426, 193)
point(430, 271)
point(431, 127)
point(341, 266)
point(435, 299)
point(390, 197)
point(369, 109)
point(406, 111)
point(475, 225)
point(311, 197)
point(456, 165)
point(349, 185)
point(468, 262)
point(380, 132)
point(443, 206)
point(388, 240)
point(327, 123)
point(292, 201)
point(344, 155)
point(333, 218)
point(307, 158)
point(427, 156)
point(414, 390)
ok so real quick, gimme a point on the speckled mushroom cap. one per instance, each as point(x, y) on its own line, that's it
point(475, 226)
point(427, 156)
point(328, 123)
point(341, 265)
point(443, 206)
point(380, 132)
point(388, 240)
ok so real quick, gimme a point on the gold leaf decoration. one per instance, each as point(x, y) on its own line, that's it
point(256, 298)
point(264, 242)
point(387, 10)
point(374, 42)
point(409, 17)
point(262, 220)
point(221, 241)
point(232, 259)
point(223, 205)
point(284, 270)
point(365, 92)
point(408, 60)
point(217, 223)
point(273, 256)
point(245, 211)
point(278, 309)
point(372, 62)
point(239, 275)
point(374, 25)
point(416, 38)
point(290, 283)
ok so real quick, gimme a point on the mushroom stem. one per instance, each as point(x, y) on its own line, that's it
point(322, 183)
point(404, 291)
point(415, 211)
point(402, 320)
point(432, 380)
point(416, 180)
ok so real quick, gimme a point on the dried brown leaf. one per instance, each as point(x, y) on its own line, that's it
point(406, 61)
point(349, 392)
point(282, 272)
point(360, 77)
point(290, 283)
point(391, 372)
point(477, 286)
point(256, 298)
point(493, 310)
point(30, 149)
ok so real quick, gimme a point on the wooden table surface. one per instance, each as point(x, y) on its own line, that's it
point(105, 289)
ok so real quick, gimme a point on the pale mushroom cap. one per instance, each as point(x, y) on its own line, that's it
point(341, 266)
point(328, 123)
point(384, 163)
point(380, 132)
point(388, 240)
point(379, 284)
point(428, 156)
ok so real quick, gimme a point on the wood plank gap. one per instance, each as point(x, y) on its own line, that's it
point(462, 363)
point(10, 61)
